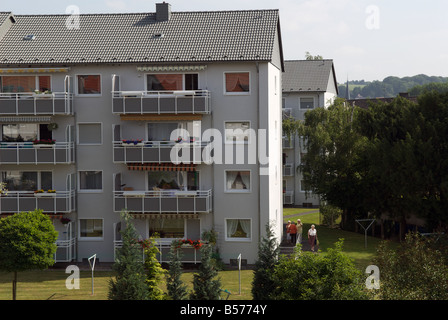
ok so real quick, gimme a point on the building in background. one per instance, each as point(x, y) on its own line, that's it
point(87, 112)
point(307, 84)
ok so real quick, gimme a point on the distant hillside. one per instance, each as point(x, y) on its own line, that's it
point(391, 86)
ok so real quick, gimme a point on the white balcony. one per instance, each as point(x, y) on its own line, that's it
point(288, 197)
point(163, 201)
point(288, 170)
point(29, 153)
point(58, 202)
point(30, 103)
point(288, 143)
point(161, 102)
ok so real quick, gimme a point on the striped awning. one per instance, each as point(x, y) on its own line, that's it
point(161, 167)
point(154, 216)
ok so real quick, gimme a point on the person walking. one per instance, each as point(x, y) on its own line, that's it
point(299, 231)
point(312, 236)
point(293, 232)
point(288, 235)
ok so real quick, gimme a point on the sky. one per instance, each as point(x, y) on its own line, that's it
point(367, 40)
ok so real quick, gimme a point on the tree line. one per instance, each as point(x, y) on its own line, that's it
point(391, 86)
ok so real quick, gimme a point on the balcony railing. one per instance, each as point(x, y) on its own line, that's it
point(288, 197)
point(288, 170)
point(29, 103)
point(161, 102)
point(163, 201)
point(158, 151)
point(29, 153)
point(58, 202)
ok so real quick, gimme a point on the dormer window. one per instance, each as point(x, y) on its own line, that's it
point(29, 37)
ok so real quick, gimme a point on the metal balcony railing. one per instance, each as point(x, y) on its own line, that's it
point(161, 102)
point(163, 201)
point(30, 103)
point(57, 202)
point(288, 170)
point(288, 197)
point(29, 153)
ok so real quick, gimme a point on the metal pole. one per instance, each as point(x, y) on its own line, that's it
point(92, 266)
point(239, 272)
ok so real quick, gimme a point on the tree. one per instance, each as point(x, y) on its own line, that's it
point(130, 279)
point(27, 241)
point(205, 286)
point(176, 288)
point(309, 56)
point(414, 271)
point(310, 276)
point(263, 284)
point(154, 271)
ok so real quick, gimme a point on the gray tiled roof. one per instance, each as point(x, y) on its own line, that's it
point(307, 75)
point(187, 37)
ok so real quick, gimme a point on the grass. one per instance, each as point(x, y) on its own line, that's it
point(50, 284)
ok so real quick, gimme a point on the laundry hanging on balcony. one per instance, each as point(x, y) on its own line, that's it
point(161, 167)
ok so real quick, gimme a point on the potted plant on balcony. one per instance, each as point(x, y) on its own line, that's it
point(45, 94)
point(41, 193)
point(65, 221)
point(132, 142)
point(45, 143)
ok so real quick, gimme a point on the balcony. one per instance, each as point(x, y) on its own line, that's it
point(157, 152)
point(59, 202)
point(163, 201)
point(288, 170)
point(161, 102)
point(28, 103)
point(288, 197)
point(29, 153)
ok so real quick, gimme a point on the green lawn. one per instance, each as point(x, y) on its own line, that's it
point(50, 284)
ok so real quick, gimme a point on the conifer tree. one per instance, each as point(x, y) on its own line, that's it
point(263, 283)
point(130, 279)
point(154, 270)
point(176, 289)
point(205, 286)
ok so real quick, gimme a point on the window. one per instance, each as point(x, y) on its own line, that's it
point(238, 229)
point(238, 181)
point(306, 103)
point(237, 131)
point(89, 133)
point(237, 82)
point(90, 180)
point(173, 180)
point(89, 84)
point(172, 82)
point(91, 228)
point(167, 228)
point(27, 180)
point(25, 132)
point(25, 83)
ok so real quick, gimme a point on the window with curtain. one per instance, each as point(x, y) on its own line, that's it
point(18, 83)
point(161, 131)
point(91, 228)
point(237, 82)
point(165, 180)
point(90, 180)
point(89, 84)
point(164, 82)
point(238, 181)
point(20, 132)
point(238, 229)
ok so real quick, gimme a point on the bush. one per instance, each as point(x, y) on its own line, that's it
point(415, 271)
point(310, 276)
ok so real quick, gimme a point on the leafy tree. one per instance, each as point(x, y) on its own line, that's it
point(414, 271)
point(176, 288)
point(263, 283)
point(310, 276)
point(154, 270)
point(309, 56)
point(205, 286)
point(130, 278)
point(27, 241)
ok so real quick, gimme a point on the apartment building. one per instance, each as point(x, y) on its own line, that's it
point(144, 112)
point(307, 84)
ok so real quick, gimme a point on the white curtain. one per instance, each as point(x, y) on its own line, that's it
point(232, 224)
point(231, 177)
point(245, 225)
point(245, 177)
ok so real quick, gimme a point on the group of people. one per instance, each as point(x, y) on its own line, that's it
point(294, 233)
